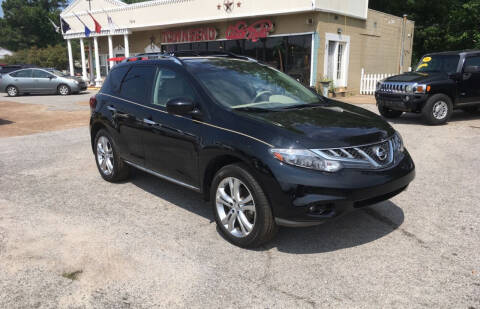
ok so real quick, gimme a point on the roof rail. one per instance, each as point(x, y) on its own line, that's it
point(186, 53)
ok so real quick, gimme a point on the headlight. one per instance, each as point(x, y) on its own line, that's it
point(420, 88)
point(306, 159)
point(379, 85)
point(409, 88)
point(398, 143)
point(75, 82)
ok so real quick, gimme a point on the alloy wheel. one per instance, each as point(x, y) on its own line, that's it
point(440, 110)
point(12, 91)
point(235, 207)
point(63, 90)
point(105, 155)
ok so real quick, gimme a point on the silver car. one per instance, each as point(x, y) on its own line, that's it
point(40, 81)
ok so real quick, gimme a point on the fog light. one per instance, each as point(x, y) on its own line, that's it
point(320, 209)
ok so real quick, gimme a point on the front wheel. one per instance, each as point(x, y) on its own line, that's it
point(241, 208)
point(389, 113)
point(438, 109)
point(63, 90)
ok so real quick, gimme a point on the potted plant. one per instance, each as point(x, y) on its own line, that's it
point(325, 85)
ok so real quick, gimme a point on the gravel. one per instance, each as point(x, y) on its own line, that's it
point(69, 239)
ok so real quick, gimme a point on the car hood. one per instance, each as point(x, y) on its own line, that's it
point(331, 125)
point(417, 77)
point(77, 78)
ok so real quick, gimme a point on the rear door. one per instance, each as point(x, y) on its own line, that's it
point(129, 109)
point(171, 141)
point(470, 84)
point(23, 80)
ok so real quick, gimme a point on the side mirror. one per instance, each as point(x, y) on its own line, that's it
point(472, 69)
point(180, 106)
point(455, 76)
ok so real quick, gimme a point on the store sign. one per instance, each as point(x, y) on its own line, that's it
point(255, 31)
point(190, 35)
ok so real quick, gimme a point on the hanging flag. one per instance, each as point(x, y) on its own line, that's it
point(57, 28)
point(111, 24)
point(98, 27)
point(65, 26)
point(87, 30)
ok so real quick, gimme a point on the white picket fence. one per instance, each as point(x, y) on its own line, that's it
point(368, 83)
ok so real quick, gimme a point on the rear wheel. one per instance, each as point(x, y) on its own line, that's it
point(241, 208)
point(12, 91)
point(109, 164)
point(438, 109)
point(63, 90)
point(389, 113)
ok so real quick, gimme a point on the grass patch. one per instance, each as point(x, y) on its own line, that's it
point(73, 275)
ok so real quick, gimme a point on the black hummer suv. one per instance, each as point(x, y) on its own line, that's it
point(441, 83)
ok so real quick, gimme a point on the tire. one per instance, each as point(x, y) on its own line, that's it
point(389, 113)
point(470, 109)
point(253, 223)
point(64, 90)
point(437, 110)
point(105, 148)
point(12, 91)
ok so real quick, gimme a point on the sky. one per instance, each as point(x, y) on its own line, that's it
point(1, 11)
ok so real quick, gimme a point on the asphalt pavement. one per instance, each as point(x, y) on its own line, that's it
point(69, 239)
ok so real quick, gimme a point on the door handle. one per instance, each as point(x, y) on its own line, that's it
point(149, 122)
point(112, 109)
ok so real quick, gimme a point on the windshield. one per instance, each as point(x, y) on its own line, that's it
point(245, 85)
point(438, 63)
point(57, 72)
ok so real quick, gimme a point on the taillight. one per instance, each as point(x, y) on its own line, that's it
point(93, 103)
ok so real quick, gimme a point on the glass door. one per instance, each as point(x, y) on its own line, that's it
point(337, 62)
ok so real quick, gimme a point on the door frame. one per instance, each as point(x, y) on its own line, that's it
point(343, 39)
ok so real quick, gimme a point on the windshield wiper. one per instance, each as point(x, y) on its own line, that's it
point(252, 109)
point(301, 106)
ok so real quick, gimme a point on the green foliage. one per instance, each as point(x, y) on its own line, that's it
point(440, 25)
point(25, 23)
point(51, 57)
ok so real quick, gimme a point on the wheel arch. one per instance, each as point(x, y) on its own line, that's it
point(213, 166)
point(94, 128)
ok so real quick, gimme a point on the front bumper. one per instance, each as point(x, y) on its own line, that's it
point(306, 198)
point(401, 102)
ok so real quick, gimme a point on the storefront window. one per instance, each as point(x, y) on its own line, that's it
point(289, 54)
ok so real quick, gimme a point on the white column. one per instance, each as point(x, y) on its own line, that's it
point(127, 48)
point(98, 79)
point(90, 62)
point(82, 54)
point(70, 57)
point(110, 50)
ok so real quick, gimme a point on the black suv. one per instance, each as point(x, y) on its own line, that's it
point(265, 150)
point(441, 83)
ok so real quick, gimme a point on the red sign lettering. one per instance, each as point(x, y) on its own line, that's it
point(255, 31)
point(189, 35)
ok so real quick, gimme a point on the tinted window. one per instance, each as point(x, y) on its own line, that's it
point(22, 73)
point(472, 61)
point(136, 85)
point(41, 74)
point(171, 85)
point(439, 63)
point(114, 80)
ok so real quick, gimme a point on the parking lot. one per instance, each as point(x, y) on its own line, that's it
point(70, 239)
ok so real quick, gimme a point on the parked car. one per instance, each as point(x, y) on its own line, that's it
point(441, 83)
point(40, 81)
point(7, 68)
point(265, 150)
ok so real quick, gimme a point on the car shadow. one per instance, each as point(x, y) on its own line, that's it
point(354, 229)
point(416, 119)
point(5, 121)
point(44, 94)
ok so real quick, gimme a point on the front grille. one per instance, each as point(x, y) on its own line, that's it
point(389, 87)
point(373, 156)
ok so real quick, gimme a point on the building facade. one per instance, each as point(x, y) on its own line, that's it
point(310, 40)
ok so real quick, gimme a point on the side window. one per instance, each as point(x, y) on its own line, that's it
point(114, 80)
point(170, 85)
point(22, 73)
point(136, 85)
point(472, 61)
point(41, 74)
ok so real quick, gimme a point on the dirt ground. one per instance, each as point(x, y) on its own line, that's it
point(17, 119)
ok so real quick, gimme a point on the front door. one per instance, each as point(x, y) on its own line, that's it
point(336, 60)
point(470, 84)
point(171, 146)
point(43, 81)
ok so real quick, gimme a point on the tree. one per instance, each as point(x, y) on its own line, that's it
point(48, 57)
point(25, 23)
point(439, 25)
